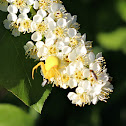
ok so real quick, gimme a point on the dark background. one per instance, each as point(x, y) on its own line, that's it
point(95, 17)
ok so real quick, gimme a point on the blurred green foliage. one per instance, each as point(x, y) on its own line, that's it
point(11, 115)
point(104, 22)
point(115, 40)
point(121, 8)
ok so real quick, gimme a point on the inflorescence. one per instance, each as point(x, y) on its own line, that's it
point(66, 58)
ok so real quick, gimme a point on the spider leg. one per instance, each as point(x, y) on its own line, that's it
point(42, 65)
point(61, 67)
point(58, 74)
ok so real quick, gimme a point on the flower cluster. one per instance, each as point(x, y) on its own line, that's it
point(66, 58)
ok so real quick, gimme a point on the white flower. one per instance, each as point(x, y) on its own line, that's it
point(57, 30)
point(77, 71)
point(42, 4)
point(13, 26)
point(31, 50)
point(46, 49)
point(81, 97)
point(72, 22)
point(25, 24)
point(39, 25)
point(88, 44)
point(79, 52)
point(75, 38)
point(21, 5)
point(93, 81)
point(67, 79)
point(57, 11)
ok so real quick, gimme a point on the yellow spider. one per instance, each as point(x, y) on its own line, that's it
point(50, 68)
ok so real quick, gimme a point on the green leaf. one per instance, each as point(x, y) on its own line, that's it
point(113, 40)
point(16, 70)
point(121, 9)
point(40, 103)
point(11, 115)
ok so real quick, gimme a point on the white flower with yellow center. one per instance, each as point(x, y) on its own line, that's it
point(78, 71)
point(42, 4)
point(31, 50)
point(13, 26)
point(75, 38)
point(72, 23)
point(81, 97)
point(96, 73)
point(67, 80)
point(39, 25)
point(88, 92)
point(57, 11)
point(3, 5)
point(22, 5)
point(46, 49)
point(24, 23)
point(97, 81)
point(57, 30)
point(88, 44)
point(79, 52)
point(100, 92)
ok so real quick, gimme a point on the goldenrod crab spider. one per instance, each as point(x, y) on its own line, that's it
point(50, 68)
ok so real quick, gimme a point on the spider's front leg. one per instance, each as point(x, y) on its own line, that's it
point(42, 65)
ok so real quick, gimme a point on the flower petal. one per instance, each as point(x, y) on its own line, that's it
point(49, 42)
point(91, 56)
point(72, 55)
point(23, 16)
point(61, 22)
point(30, 2)
point(99, 55)
point(52, 25)
point(15, 32)
point(72, 83)
point(70, 69)
point(66, 49)
point(72, 95)
point(12, 9)
point(72, 32)
point(36, 36)
point(28, 45)
point(37, 18)
point(86, 73)
point(42, 13)
point(12, 17)
point(7, 23)
point(79, 90)
point(36, 5)
point(81, 50)
point(55, 7)
point(25, 10)
point(39, 44)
